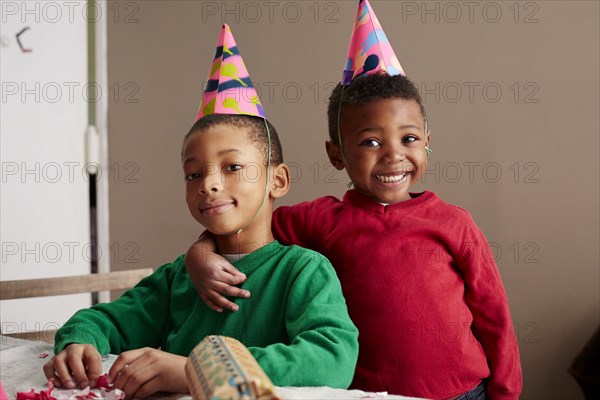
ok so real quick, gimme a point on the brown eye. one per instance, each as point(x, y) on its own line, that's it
point(233, 167)
point(370, 143)
point(191, 177)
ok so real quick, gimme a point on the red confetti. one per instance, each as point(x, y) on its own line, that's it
point(42, 395)
point(43, 355)
point(103, 382)
point(84, 394)
point(31, 395)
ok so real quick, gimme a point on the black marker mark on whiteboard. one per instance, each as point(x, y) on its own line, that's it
point(23, 49)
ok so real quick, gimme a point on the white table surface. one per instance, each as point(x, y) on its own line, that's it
point(21, 370)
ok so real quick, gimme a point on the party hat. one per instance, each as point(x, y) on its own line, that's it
point(370, 50)
point(229, 89)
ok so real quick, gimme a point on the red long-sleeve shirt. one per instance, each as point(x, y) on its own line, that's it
point(423, 289)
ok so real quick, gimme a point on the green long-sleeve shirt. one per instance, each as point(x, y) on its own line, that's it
point(295, 324)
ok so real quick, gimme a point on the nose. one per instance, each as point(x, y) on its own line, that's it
point(393, 153)
point(212, 181)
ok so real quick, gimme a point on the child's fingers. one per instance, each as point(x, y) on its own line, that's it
point(213, 306)
point(146, 389)
point(228, 290)
point(63, 374)
point(116, 369)
point(226, 277)
point(50, 370)
point(163, 372)
point(93, 365)
point(154, 371)
point(78, 369)
point(227, 267)
point(221, 301)
point(134, 376)
point(122, 362)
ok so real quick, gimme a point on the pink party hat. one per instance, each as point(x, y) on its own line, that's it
point(3, 394)
point(370, 50)
point(228, 89)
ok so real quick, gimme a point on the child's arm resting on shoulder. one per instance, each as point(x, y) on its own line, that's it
point(142, 372)
point(212, 275)
point(291, 225)
point(323, 341)
point(78, 365)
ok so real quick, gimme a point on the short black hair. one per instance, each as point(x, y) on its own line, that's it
point(255, 128)
point(368, 88)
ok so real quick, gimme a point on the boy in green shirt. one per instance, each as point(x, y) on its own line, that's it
point(296, 324)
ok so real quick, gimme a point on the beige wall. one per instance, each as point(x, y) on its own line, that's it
point(541, 134)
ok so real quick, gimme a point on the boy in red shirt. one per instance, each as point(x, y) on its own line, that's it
point(418, 275)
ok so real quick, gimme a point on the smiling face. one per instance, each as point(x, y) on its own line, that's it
point(384, 148)
point(225, 175)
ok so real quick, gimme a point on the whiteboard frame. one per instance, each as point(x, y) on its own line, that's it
point(100, 60)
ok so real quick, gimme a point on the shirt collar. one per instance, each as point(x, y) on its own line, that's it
point(360, 200)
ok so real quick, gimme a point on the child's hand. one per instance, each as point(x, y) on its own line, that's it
point(213, 276)
point(78, 365)
point(142, 372)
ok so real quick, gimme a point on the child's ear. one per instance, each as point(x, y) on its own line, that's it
point(280, 183)
point(335, 155)
point(428, 138)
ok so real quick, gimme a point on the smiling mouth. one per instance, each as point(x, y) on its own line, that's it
point(216, 209)
point(393, 178)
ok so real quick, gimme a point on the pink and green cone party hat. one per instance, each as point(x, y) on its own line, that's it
point(228, 89)
point(370, 50)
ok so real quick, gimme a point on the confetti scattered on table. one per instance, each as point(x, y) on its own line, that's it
point(74, 394)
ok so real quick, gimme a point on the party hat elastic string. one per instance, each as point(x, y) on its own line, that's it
point(266, 184)
point(339, 130)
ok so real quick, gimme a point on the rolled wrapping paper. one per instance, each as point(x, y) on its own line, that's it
point(221, 367)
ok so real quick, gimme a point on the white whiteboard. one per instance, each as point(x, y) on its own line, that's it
point(45, 229)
